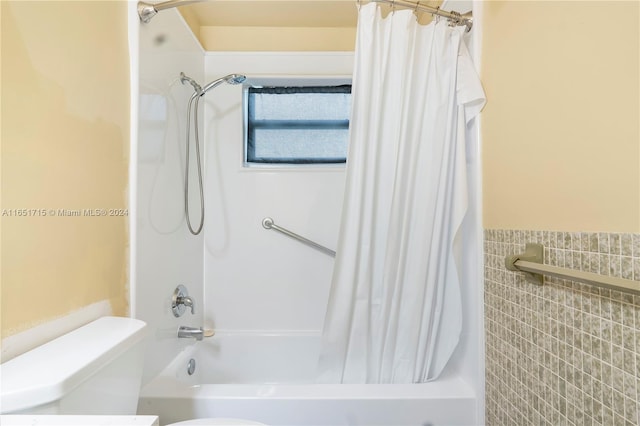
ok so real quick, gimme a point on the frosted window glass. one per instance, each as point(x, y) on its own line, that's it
point(298, 124)
point(294, 144)
point(303, 106)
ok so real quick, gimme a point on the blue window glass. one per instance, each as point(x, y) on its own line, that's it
point(298, 125)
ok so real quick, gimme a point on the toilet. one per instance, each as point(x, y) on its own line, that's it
point(93, 370)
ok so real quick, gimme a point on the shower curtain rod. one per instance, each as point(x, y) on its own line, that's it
point(146, 11)
point(455, 18)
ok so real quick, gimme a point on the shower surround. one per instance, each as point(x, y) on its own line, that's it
point(563, 353)
point(264, 294)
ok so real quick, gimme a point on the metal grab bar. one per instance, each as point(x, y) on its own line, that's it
point(267, 223)
point(530, 262)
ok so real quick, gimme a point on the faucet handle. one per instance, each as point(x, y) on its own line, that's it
point(188, 302)
point(180, 301)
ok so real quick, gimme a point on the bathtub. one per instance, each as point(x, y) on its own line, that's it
point(270, 378)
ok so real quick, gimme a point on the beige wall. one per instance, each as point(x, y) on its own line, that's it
point(561, 127)
point(295, 25)
point(65, 143)
point(319, 25)
point(297, 39)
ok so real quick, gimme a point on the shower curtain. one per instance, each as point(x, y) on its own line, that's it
point(394, 311)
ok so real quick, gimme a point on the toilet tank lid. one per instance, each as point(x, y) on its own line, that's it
point(52, 370)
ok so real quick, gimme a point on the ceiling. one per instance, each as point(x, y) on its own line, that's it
point(278, 13)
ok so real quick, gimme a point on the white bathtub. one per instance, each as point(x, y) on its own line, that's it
point(269, 378)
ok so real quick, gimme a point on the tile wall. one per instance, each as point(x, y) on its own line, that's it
point(564, 353)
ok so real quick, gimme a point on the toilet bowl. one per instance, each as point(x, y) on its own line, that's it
point(93, 370)
point(216, 422)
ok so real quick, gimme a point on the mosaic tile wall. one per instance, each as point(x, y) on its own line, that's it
point(564, 353)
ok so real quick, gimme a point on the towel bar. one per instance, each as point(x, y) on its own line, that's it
point(530, 262)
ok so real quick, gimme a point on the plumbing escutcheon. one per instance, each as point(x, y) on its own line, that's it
point(177, 305)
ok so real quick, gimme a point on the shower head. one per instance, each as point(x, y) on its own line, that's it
point(235, 78)
point(230, 79)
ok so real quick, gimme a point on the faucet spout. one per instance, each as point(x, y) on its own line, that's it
point(191, 332)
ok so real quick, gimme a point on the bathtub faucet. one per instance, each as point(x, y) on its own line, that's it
point(188, 302)
point(194, 333)
point(187, 332)
point(181, 300)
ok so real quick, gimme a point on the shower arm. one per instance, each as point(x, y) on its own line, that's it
point(146, 11)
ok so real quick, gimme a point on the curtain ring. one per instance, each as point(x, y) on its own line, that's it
point(393, 6)
point(416, 12)
point(435, 15)
point(359, 4)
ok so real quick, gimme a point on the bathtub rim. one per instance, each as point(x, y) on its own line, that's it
point(450, 388)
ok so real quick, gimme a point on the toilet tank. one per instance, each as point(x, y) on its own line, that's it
point(95, 369)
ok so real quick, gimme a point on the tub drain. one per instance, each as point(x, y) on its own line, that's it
point(191, 366)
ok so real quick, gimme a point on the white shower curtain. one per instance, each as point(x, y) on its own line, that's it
point(394, 312)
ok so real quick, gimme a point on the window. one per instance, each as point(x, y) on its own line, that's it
point(297, 125)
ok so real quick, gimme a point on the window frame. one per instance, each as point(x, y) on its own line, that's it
point(283, 83)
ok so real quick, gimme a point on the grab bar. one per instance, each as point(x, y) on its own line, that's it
point(530, 262)
point(267, 223)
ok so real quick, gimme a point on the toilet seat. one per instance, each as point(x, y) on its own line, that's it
point(217, 422)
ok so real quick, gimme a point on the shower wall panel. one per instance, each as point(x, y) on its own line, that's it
point(166, 253)
point(258, 280)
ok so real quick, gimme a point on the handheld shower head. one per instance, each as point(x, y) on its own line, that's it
point(230, 79)
point(199, 91)
point(235, 78)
